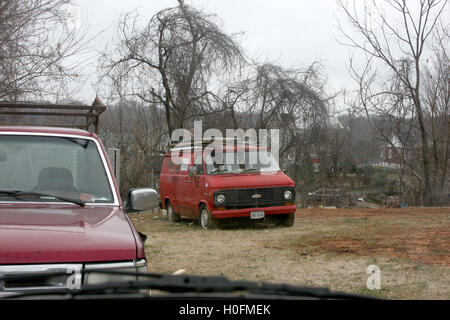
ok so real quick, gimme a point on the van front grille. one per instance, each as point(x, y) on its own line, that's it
point(255, 197)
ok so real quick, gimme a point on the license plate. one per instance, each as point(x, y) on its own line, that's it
point(256, 214)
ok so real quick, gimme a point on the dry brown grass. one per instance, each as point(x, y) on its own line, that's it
point(330, 248)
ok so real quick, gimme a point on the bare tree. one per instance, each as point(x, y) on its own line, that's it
point(37, 40)
point(271, 96)
point(396, 39)
point(292, 100)
point(170, 61)
point(436, 95)
point(135, 128)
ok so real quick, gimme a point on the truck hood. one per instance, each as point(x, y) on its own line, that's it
point(248, 180)
point(44, 233)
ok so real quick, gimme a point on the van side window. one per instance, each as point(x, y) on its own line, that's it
point(185, 164)
point(199, 165)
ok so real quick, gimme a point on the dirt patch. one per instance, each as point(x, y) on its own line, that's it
point(325, 248)
point(365, 212)
point(341, 246)
point(429, 247)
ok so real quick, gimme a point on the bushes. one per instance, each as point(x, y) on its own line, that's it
point(379, 178)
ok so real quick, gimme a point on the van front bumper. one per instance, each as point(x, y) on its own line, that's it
point(238, 213)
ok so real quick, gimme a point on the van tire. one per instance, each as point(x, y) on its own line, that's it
point(205, 219)
point(172, 216)
point(287, 220)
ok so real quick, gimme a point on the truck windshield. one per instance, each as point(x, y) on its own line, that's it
point(240, 162)
point(64, 167)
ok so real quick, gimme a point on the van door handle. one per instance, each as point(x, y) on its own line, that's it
point(187, 180)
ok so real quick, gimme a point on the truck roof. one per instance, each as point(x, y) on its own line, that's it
point(46, 130)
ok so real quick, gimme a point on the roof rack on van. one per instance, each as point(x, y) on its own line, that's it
point(205, 142)
point(90, 113)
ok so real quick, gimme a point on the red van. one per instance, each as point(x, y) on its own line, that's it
point(210, 192)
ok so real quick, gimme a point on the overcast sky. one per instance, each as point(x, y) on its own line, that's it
point(294, 33)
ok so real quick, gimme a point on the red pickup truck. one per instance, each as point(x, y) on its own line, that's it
point(60, 209)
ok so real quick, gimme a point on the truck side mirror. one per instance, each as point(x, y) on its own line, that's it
point(141, 199)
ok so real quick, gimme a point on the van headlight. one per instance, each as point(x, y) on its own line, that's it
point(133, 267)
point(220, 199)
point(288, 195)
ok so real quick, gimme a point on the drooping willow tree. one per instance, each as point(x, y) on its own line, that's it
point(170, 60)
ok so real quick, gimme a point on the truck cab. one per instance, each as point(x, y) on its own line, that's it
point(60, 209)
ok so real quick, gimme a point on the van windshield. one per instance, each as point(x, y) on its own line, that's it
point(240, 162)
point(64, 167)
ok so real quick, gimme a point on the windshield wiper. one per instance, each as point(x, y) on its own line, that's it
point(184, 286)
point(224, 171)
point(18, 194)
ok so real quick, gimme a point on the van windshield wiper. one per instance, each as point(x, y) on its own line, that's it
point(251, 169)
point(224, 171)
point(18, 194)
point(180, 286)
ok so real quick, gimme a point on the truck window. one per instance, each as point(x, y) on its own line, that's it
point(53, 165)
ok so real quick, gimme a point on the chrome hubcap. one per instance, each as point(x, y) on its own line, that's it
point(170, 213)
point(204, 218)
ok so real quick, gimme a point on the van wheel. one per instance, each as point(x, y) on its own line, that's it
point(171, 215)
point(206, 220)
point(287, 220)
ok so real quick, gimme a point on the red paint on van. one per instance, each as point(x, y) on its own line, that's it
point(186, 194)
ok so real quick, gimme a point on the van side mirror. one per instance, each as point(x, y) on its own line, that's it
point(141, 199)
point(193, 172)
point(284, 171)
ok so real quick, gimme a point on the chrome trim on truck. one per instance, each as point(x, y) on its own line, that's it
point(60, 281)
point(38, 268)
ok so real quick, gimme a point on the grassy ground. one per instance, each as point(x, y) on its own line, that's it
point(325, 247)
